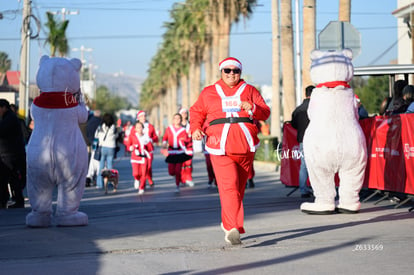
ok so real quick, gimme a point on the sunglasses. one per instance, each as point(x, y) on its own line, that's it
point(235, 71)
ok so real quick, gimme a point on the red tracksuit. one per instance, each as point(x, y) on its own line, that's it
point(177, 140)
point(139, 147)
point(149, 130)
point(231, 145)
point(127, 131)
point(187, 168)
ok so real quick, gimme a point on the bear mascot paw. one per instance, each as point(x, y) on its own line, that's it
point(334, 141)
point(57, 156)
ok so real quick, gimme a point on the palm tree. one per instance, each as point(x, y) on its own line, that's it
point(5, 62)
point(187, 43)
point(289, 99)
point(192, 35)
point(57, 36)
point(224, 13)
point(345, 10)
point(309, 35)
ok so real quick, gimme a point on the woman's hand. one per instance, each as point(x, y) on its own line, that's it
point(198, 135)
point(247, 106)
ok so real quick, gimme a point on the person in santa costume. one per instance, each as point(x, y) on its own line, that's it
point(229, 107)
point(149, 130)
point(187, 169)
point(139, 145)
point(126, 129)
point(176, 141)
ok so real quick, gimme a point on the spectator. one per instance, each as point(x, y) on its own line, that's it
point(362, 112)
point(395, 104)
point(94, 120)
point(408, 96)
point(26, 131)
point(107, 135)
point(300, 122)
point(12, 157)
point(93, 123)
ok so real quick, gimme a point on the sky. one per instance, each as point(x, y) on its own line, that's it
point(122, 36)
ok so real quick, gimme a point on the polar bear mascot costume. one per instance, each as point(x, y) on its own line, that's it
point(56, 154)
point(333, 141)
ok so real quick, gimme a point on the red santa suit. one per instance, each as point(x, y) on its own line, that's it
point(127, 131)
point(149, 130)
point(177, 140)
point(187, 169)
point(231, 140)
point(140, 157)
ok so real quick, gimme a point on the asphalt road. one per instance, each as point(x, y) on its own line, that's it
point(163, 232)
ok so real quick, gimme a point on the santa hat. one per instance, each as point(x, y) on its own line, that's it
point(140, 113)
point(230, 61)
point(183, 110)
point(357, 98)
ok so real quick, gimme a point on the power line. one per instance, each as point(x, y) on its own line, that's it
point(386, 51)
point(141, 36)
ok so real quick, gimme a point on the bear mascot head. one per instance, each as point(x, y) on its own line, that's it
point(333, 141)
point(58, 75)
point(56, 154)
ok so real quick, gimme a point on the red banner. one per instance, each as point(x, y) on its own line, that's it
point(390, 144)
point(289, 156)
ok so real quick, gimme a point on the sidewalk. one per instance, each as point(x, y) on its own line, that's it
point(166, 233)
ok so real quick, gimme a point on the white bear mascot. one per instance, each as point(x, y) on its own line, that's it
point(56, 154)
point(334, 141)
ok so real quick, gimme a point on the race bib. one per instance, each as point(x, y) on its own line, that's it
point(231, 104)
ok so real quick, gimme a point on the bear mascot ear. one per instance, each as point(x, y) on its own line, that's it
point(76, 63)
point(347, 53)
point(316, 54)
point(43, 59)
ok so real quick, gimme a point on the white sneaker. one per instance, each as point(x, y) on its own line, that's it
point(136, 184)
point(141, 191)
point(189, 183)
point(232, 236)
point(177, 190)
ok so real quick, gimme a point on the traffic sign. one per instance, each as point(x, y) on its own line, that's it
point(338, 35)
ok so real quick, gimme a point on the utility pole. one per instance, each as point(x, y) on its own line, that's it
point(65, 12)
point(275, 129)
point(24, 85)
point(82, 50)
point(412, 40)
point(298, 60)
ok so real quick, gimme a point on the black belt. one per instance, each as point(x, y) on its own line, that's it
point(231, 120)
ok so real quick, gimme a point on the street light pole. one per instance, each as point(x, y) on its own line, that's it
point(64, 11)
point(82, 50)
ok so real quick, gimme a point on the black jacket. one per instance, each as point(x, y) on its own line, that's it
point(11, 136)
point(300, 119)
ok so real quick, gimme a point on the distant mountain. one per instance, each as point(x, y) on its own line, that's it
point(121, 85)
